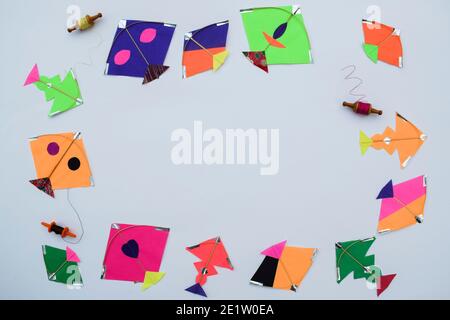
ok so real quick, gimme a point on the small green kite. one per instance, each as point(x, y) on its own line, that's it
point(351, 256)
point(64, 93)
point(62, 266)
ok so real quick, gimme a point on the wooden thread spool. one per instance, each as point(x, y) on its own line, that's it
point(363, 108)
point(62, 231)
point(85, 23)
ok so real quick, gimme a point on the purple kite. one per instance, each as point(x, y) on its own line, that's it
point(139, 49)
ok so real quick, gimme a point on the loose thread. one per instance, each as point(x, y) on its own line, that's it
point(90, 51)
point(79, 221)
point(360, 82)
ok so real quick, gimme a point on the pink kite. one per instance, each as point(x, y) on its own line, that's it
point(134, 253)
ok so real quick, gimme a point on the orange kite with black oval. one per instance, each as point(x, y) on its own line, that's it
point(60, 161)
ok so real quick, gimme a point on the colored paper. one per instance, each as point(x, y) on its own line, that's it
point(64, 93)
point(139, 49)
point(406, 139)
point(384, 282)
point(382, 43)
point(134, 253)
point(62, 266)
point(212, 254)
point(151, 278)
point(205, 49)
point(276, 35)
point(60, 161)
point(71, 255)
point(403, 204)
point(284, 267)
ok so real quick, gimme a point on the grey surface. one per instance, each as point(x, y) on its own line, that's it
point(325, 191)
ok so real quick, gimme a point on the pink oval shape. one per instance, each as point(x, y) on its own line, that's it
point(148, 35)
point(122, 57)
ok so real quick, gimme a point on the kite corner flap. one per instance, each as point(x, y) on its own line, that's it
point(364, 142)
point(275, 250)
point(71, 255)
point(257, 58)
point(43, 184)
point(371, 52)
point(384, 282)
point(153, 72)
point(197, 289)
point(387, 191)
point(151, 278)
point(33, 76)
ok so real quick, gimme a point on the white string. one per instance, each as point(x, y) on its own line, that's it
point(90, 52)
point(79, 221)
point(360, 82)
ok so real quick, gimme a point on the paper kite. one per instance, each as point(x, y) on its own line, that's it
point(406, 139)
point(139, 49)
point(351, 256)
point(134, 253)
point(60, 161)
point(402, 204)
point(64, 93)
point(212, 254)
point(284, 267)
point(382, 43)
point(62, 265)
point(276, 35)
point(205, 49)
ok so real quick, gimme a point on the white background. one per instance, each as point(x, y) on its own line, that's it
point(325, 191)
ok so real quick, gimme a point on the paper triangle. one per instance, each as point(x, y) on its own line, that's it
point(364, 142)
point(275, 251)
point(387, 191)
point(219, 59)
point(197, 289)
point(153, 72)
point(45, 185)
point(71, 255)
point(371, 52)
point(33, 76)
point(384, 282)
point(151, 278)
point(258, 58)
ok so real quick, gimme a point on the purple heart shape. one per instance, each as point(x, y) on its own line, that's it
point(131, 249)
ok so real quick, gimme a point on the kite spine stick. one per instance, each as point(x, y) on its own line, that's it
point(49, 85)
point(209, 259)
point(345, 250)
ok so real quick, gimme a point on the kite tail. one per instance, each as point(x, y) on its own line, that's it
point(364, 142)
point(79, 221)
point(359, 83)
point(151, 278)
point(196, 289)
